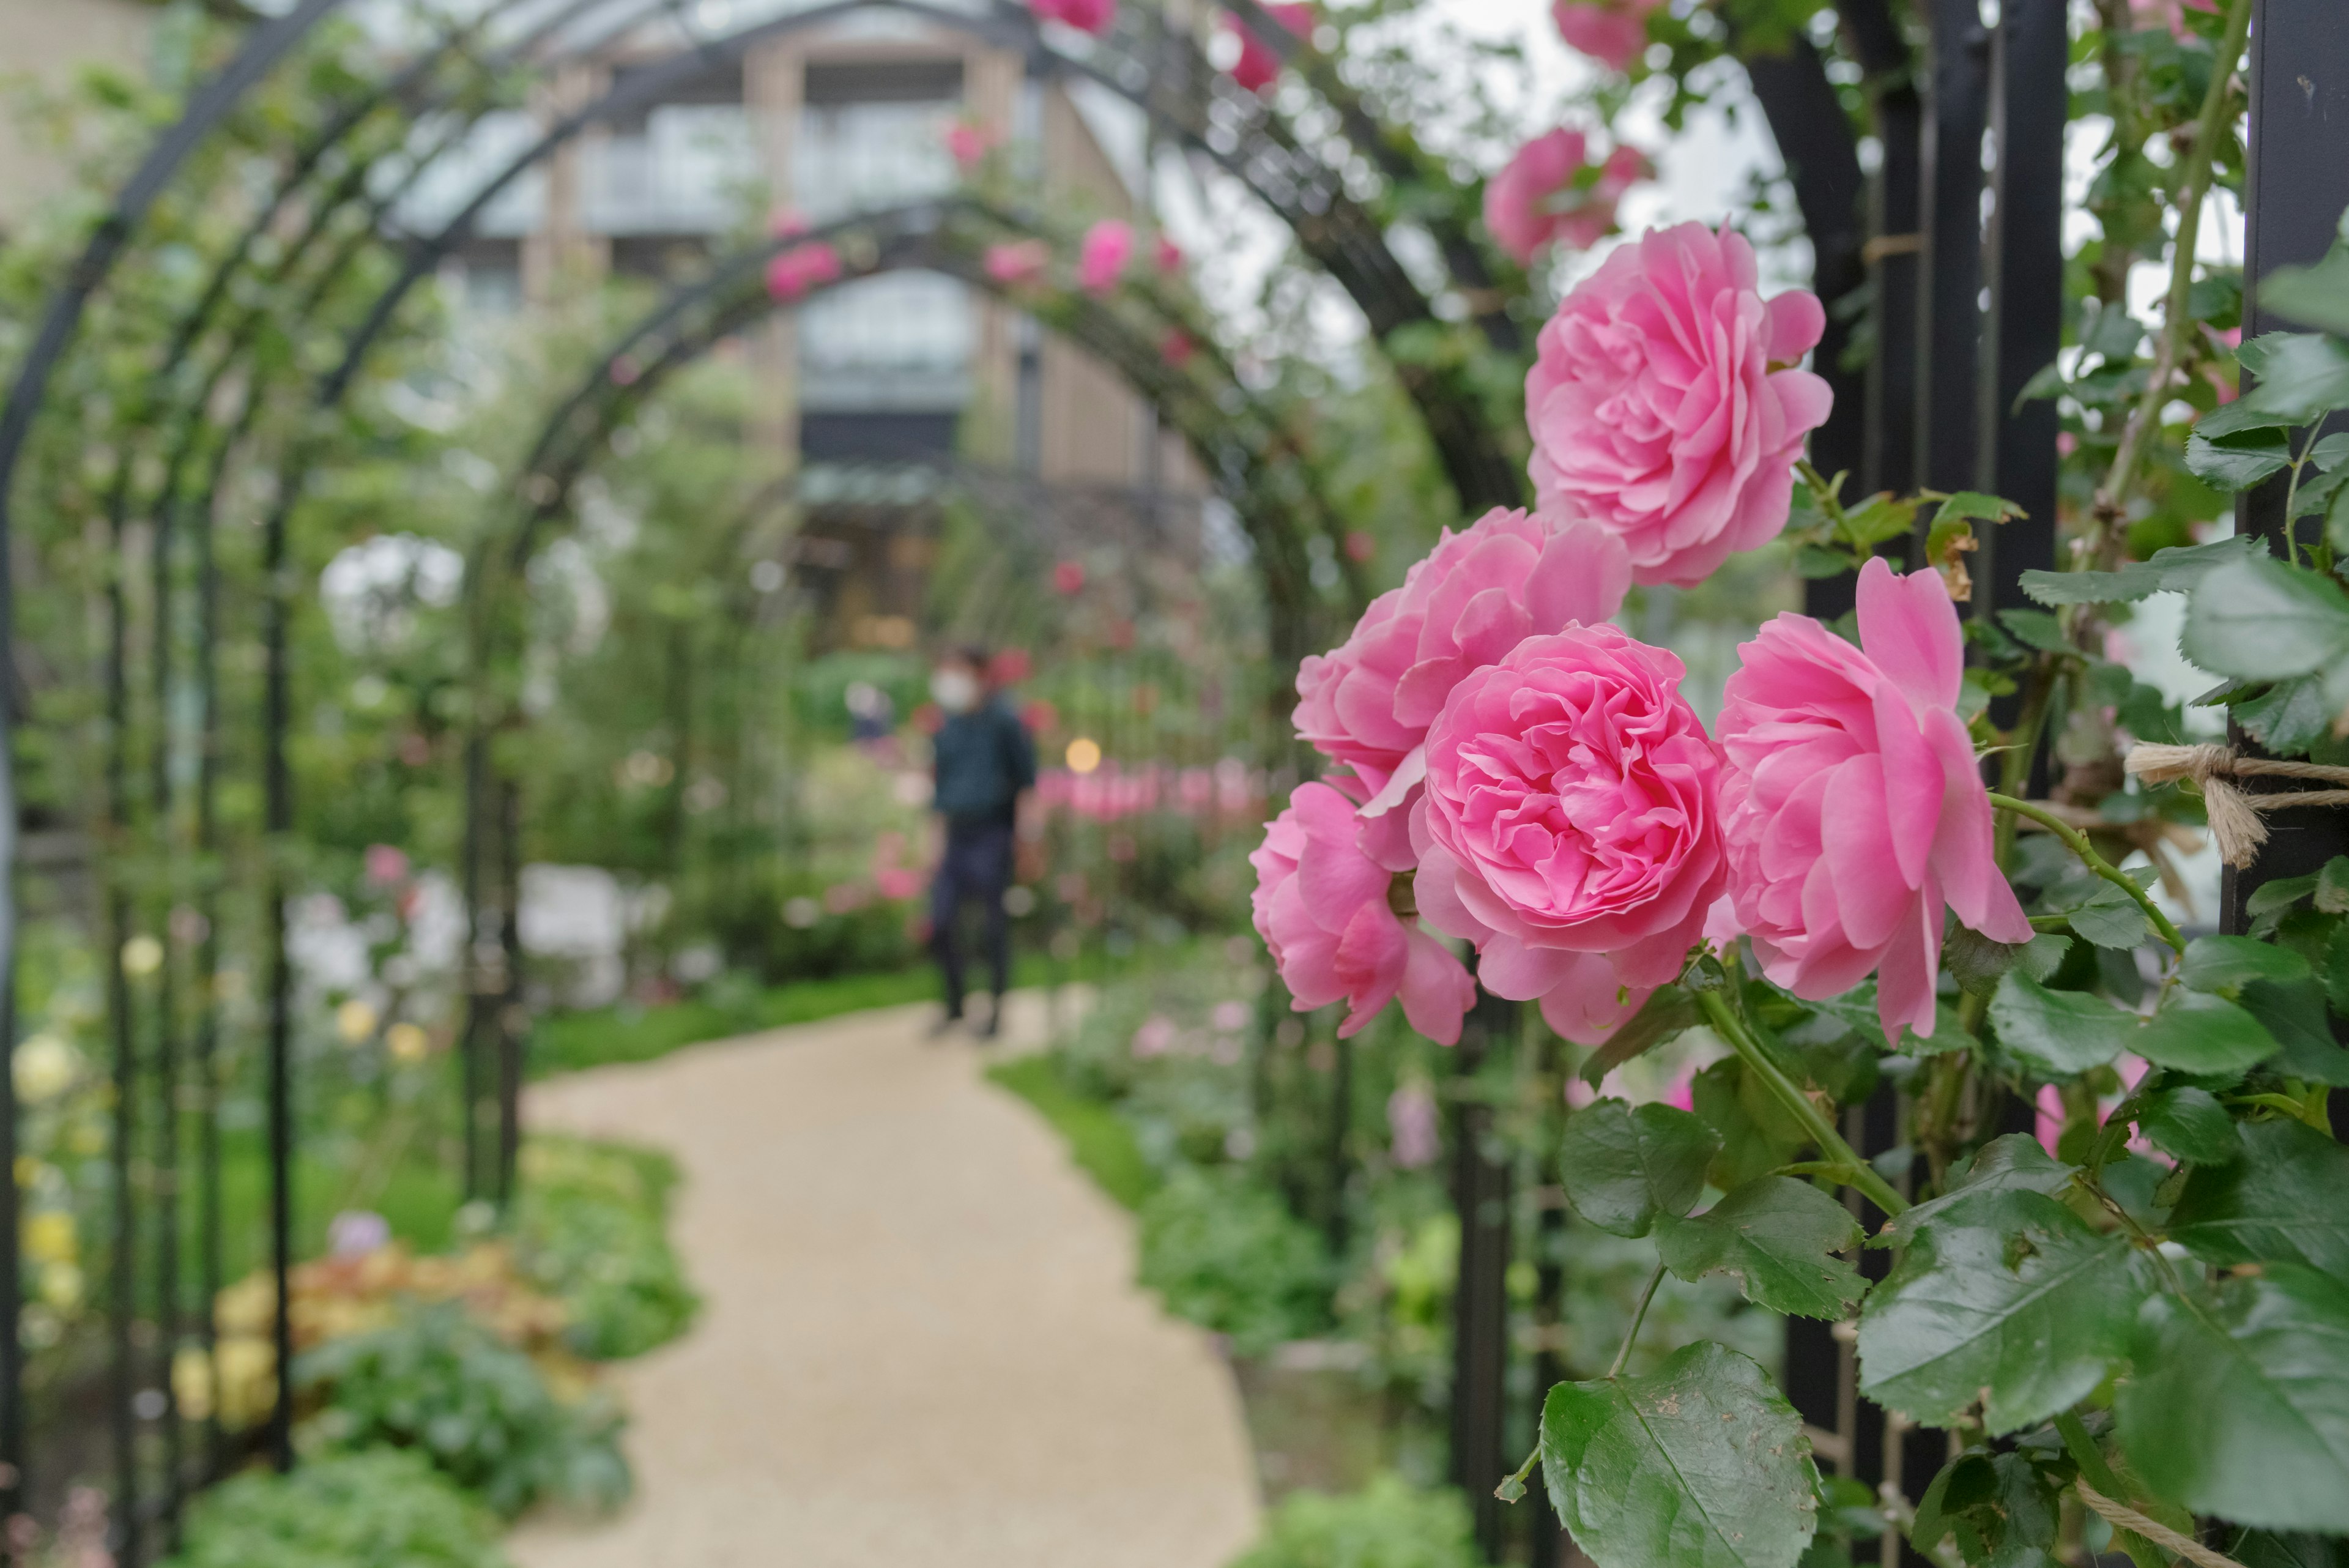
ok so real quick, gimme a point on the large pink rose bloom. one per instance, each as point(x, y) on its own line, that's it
point(1614, 31)
point(1103, 253)
point(1477, 593)
point(1259, 66)
point(1321, 906)
point(1657, 408)
point(1087, 16)
point(1533, 202)
point(1852, 805)
point(1569, 826)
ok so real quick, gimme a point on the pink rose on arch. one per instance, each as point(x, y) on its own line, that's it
point(968, 143)
point(1321, 906)
point(1015, 263)
point(1665, 407)
point(1107, 246)
point(1570, 827)
point(1093, 16)
point(1259, 66)
point(1612, 31)
point(801, 268)
point(1479, 592)
point(1852, 805)
point(1534, 200)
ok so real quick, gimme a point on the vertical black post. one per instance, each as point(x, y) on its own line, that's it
point(2025, 262)
point(122, 1378)
point(510, 1028)
point(168, 1321)
point(1888, 450)
point(206, 1064)
point(1480, 1306)
point(1549, 1292)
point(477, 980)
point(1948, 293)
point(278, 821)
point(2298, 184)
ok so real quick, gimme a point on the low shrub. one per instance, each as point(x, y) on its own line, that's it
point(1225, 1253)
point(1388, 1524)
point(591, 1229)
point(380, 1509)
point(484, 1413)
point(1099, 1139)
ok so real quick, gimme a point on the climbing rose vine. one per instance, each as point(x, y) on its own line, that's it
point(2140, 1316)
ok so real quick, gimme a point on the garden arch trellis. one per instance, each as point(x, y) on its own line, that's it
point(1928, 404)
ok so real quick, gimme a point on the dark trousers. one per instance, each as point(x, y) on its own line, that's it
point(976, 865)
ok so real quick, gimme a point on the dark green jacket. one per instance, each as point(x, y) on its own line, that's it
point(984, 759)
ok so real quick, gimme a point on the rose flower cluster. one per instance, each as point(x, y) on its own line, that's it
point(1510, 770)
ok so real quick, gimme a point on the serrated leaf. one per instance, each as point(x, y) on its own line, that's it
point(1778, 1238)
point(2312, 296)
point(2332, 454)
point(1758, 1134)
point(2290, 717)
point(2177, 568)
point(1624, 1167)
point(2285, 1199)
point(1662, 1017)
point(2035, 628)
point(2268, 1549)
point(2239, 416)
point(2207, 1036)
point(2229, 463)
point(1975, 503)
point(2239, 1405)
point(1699, 1464)
point(2191, 1124)
point(2332, 894)
point(2224, 965)
point(2012, 1162)
point(2004, 1292)
point(2259, 619)
point(2305, 375)
point(2003, 1509)
point(2062, 1033)
point(2110, 919)
point(2294, 1013)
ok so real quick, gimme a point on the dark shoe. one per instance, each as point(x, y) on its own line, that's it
point(994, 1025)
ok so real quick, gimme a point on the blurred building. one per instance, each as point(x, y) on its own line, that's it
point(897, 368)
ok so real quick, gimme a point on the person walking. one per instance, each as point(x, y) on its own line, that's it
point(984, 764)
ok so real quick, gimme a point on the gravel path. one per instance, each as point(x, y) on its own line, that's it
point(920, 1344)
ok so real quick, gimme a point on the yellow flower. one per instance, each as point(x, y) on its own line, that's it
point(49, 1237)
point(141, 956)
point(408, 1042)
point(191, 1383)
point(354, 1020)
point(248, 1380)
point(61, 1286)
point(44, 1068)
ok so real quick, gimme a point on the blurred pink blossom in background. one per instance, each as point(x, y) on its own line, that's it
point(1613, 31)
point(1259, 66)
point(1093, 16)
point(1108, 245)
point(801, 268)
point(1155, 1038)
point(1018, 262)
point(1412, 1127)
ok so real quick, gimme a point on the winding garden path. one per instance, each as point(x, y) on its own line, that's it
point(921, 1344)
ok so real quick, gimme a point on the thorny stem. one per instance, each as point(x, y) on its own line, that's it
point(2193, 183)
point(1855, 1171)
point(2077, 843)
point(1639, 1316)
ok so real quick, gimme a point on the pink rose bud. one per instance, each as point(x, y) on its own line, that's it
point(1533, 202)
point(1663, 405)
point(1093, 16)
point(1612, 31)
point(1101, 256)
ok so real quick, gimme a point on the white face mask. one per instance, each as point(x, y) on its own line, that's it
point(957, 691)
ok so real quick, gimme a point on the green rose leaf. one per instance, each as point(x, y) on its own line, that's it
point(2267, 1549)
point(1700, 1464)
point(1623, 1168)
point(2061, 1033)
point(2203, 1034)
point(2239, 1402)
point(2224, 965)
point(2238, 462)
point(2312, 296)
point(1662, 1017)
point(2179, 569)
point(2285, 1200)
point(2294, 1014)
point(2110, 919)
point(2259, 619)
point(2191, 1124)
point(2002, 1508)
point(2012, 1163)
point(2305, 374)
point(1778, 1238)
point(2004, 1296)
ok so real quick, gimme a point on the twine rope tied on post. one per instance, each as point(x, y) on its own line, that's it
point(2235, 819)
point(2120, 1516)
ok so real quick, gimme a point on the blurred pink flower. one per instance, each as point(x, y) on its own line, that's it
point(1018, 262)
point(1069, 577)
point(968, 143)
point(386, 865)
point(357, 1233)
point(1093, 16)
point(1155, 1038)
point(786, 223)
point(1177, 348)
point(1663, 404)
point(796, 271)
point(1612, 31)
point(1853, 806)
point(1108, 245)
point(897, 883)
point(1321, 906)
point(1412, 1133)
point(1569, 828)
point(1368, 703)
point(1259, 66)
point(1537, 198)
point(1231, 1016)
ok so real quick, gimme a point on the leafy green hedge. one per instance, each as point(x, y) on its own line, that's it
point(380, 1509)
point(1099, 1139)
point(591, 1229)
point(1388, 1524)
point(1227, 1255)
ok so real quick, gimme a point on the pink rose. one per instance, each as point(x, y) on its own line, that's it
point(1476, 596)
point(791, 274)
point(387, 865)
point(1658, 409)
point(1018, 262)
point(969, 144)
point(1570, 827)
point(1093, 16)
point(1535, 200)
point(1612, 31)
point(1108, 245)
point(1321, 906)
point(1852, 805)
point(1170, 256)
point(1177, 348)
point(1259, 66)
